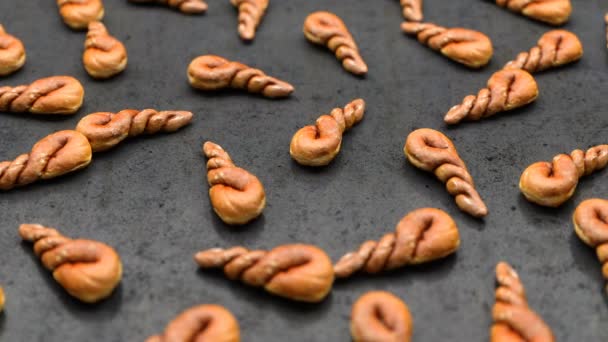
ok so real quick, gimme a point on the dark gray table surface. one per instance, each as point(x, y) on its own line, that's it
point(148, 197)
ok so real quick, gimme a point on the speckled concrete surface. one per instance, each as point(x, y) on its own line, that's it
point(148, 197)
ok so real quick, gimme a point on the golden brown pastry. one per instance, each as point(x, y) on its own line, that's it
point(318, 144)
point(237, 196)
point(2, 300)
point(591, 225)
point(201, 323)
point(297, 271)
point(51, 95)
point(554, 49)
point(554, 12)
point(507, 89)
point(468, 47)
point(421, 236)
point(88, 270)
point(328, 29)
point(552, 183)
point(250, 16)
point(77, 14)
point(412, 10)
point(106, 130)
point(104, 56)
point(432, 151)
point(514, 320)
point(12, 53)
point(55, 155)
point(213, 73)
point(184, 6)
point(380, 316)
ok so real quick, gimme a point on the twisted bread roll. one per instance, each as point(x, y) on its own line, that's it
point(88, 270)
point(468, 47)
point(213, 73)
point(51, 95)
point(380, 316)
point(201, 323)
point(555, 48)
point(250, 16)
point(2, 300)
point(432, 151)
point(591, 225)
point(554, 12)
point(237, 196)
point(12, 53)
point(328, 29)
point(412, 10)
point(184, 6)
point(318, 144)
point(297, 271)
point(513, 318)
point(77, 14)
point(552, 184)
point(106, 130)
point(421, 236)
point(507, 89)
point(55, 155)
point(104, 56)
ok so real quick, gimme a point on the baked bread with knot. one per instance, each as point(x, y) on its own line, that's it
point(554, 49)
point(184, 6)
point(412, 10)
point(77, 14)
point(554, 12)
point(12, 53)
point(380, 316)
point(51, 95)
point(104, 56)
point(591, 226)
point(250, 16)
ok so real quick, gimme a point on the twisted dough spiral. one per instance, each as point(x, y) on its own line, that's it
point(553, 183)
point(104, 56)
point(12, 53)
point(468, 47)
point(507, 89)
point(88, 270)
point(514, 320)
point(318, 144)
point(554, 12)
point(380, 316)
point(57, 154)
point(555, 48)
point(237, 196)
point(77, 14)
point(421, 236)
point(184, 6)
point(201, 323)
point(412, 10)
point(106, 130)
point(51, 95)
point(297, 271)
point(591, 225)
point(432, 151)
point(250, 16)
point(213, 73)
point(328, 29)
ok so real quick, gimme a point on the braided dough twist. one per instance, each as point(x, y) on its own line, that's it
point(468, 47)
point(237, 196)
point(51, 95)
point(184, 6)
point(591, 225)
point(250, 16)
point(88, 270)
point(412, 10)
point(432, 151)
point(421, 236)
point(201, 323)
point(77, 14)
point(507, 89)
point(380, 316)
point(213, 73)
point(12, 53)
point(554, 12)
point(552, 183)
point(325, 28)
point(104, 56)
point(296, 271)
point(514, 320)
point(106, 130)
point(554, 49)
point(57, 154)
point(318, 144)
